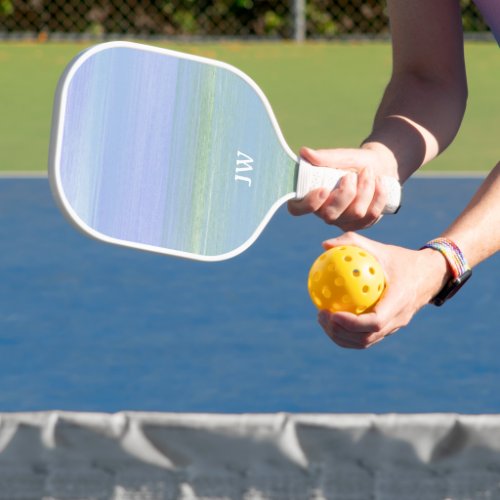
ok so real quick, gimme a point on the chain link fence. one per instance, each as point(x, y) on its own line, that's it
point(286, 19)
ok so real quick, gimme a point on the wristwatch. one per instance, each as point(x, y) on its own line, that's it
point(460, 270)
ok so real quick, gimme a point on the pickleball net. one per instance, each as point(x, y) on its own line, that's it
point(159, 456)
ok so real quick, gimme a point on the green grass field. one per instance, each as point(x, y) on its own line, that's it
point(324, 95)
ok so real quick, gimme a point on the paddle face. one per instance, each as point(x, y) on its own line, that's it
point(166, 152)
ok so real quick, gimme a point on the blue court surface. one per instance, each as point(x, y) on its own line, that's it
point(90, 327)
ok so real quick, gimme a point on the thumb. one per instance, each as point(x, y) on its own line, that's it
point(348, 238)
point(336, 158)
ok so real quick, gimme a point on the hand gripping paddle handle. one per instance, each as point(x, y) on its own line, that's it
point(311, 177)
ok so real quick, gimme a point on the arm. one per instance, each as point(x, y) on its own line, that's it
point(477, 230)
point(424, 103)
point(415, 277)
point(418, 117)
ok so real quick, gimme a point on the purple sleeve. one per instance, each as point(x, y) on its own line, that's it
point(490, 9)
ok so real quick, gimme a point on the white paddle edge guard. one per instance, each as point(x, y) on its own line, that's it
point(312, 177)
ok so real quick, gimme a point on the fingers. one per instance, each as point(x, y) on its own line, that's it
point(366, 207)
point(340, 198)
point(379, 201)
point(365, 190)
point(365, 330)
point(356, 202)
point(355, 332)
point(310, 203)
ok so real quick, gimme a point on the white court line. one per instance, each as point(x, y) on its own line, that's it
point(23, 175)
point(454, 174)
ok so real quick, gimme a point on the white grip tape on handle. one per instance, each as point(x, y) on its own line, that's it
point(311, 177)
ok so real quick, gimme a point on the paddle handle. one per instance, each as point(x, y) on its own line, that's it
point(311, 177)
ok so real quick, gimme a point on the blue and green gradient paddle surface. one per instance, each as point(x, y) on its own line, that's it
point(172, 153)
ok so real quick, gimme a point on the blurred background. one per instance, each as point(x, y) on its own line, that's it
point(283, 19)
point(324, 91)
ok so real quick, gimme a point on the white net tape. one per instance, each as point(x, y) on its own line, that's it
point(155, 456)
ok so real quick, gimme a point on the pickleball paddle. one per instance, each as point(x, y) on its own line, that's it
point(173, 153)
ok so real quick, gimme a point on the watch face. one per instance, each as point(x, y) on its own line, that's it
point(451, 288)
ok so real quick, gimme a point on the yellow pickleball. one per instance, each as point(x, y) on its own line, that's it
point(346, 278)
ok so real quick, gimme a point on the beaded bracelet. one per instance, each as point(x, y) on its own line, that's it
point(459, 267)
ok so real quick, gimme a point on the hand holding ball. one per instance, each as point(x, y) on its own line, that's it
point(346, 278)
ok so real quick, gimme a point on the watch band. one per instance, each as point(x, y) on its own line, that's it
point(458, 265)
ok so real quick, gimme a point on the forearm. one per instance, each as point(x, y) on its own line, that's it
point(424, 103)
point(416, 121)
point(477, 230)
